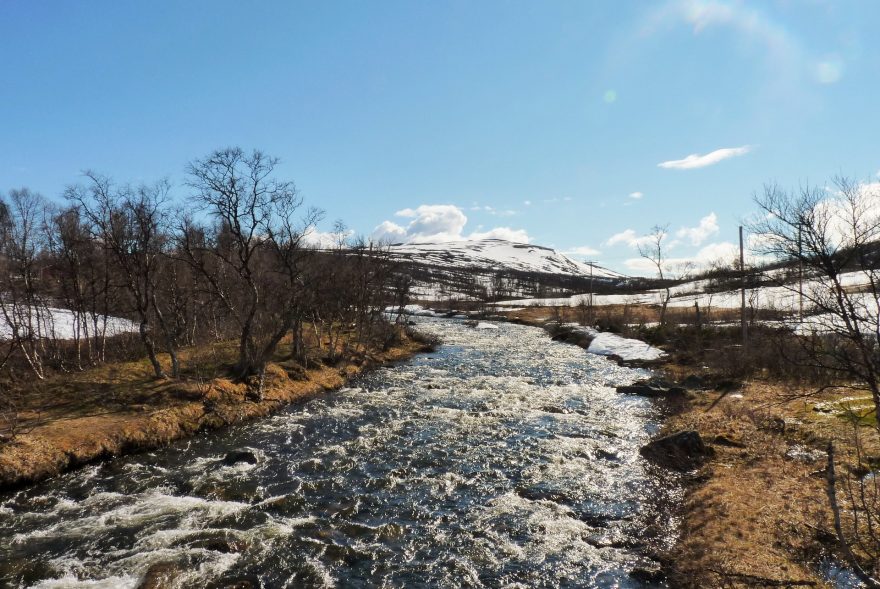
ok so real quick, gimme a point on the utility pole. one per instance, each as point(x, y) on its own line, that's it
point(742, 269)
point(591, 290)
point(800, 273)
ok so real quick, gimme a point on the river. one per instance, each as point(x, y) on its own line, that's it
point(501, 460)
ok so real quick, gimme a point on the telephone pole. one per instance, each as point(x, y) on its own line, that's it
point(800, 272)
point(590, 263)
point(742, 269)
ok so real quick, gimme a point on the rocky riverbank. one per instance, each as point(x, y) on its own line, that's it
point(751, 454)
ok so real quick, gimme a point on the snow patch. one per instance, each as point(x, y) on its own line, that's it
point(496, 254)
point(64, 324)
point(610, 344)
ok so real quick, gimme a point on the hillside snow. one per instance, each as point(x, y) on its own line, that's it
point(496, 254)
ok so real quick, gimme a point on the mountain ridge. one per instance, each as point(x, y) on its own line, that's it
point(493, 254)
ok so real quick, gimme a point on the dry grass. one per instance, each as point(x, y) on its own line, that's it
point(109, 410)
point(753, 516)
point(622, 316)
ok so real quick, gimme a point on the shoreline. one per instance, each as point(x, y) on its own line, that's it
point(740, 521)
point(63, 443)
point(749, 515)
point(752, 512)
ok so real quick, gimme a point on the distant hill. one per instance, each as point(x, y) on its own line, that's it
point(492, 268)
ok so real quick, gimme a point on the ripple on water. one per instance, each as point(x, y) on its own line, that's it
point(503, 459)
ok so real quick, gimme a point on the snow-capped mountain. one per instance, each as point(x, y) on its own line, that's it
point(491, 269)
point(497, 255)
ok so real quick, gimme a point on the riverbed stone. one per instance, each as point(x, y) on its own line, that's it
point(693, 382)
point(160, 575)
point(648, 573)
point(651, 388)
point(237, 456)
point(681, 451)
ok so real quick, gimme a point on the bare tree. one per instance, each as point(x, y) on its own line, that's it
point(83, 278)
point(652, 248)
point(834, 237)
point(250, 256)
point(22, 307)
point(131, 223)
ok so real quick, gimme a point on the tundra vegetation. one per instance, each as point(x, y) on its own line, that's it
point(238, 264)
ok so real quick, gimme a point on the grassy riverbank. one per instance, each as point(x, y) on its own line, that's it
point(72, 419)
point(756, 513)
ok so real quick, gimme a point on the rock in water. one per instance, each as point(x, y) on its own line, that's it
point(680, 451)
point(236, 456)
point(160, 575)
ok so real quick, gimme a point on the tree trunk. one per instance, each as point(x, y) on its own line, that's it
point(151, 350)
point(831, 490)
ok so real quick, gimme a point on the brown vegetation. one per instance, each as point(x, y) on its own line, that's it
point(756, 514)
point(236, 311)
point(69, 420)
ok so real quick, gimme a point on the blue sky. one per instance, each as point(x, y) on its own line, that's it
point(546, 121)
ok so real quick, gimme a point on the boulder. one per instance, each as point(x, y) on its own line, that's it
point(681, 451)
point(651, 387)
point(651, 573)
point(693, 382)
point(236, 456)
point(160, 575)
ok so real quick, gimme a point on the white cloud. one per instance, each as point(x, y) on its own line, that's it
point(406, 213)
point(437, 223)
point(840, 213)
point(629, 238)
point(434, 221)
point(641, 266)
point(707, 227)
point(695, 160)
point(583, 250)
point(388, 232)
point(723, 251)
point(636, 195)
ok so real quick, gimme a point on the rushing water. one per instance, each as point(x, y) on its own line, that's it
point(501, 460)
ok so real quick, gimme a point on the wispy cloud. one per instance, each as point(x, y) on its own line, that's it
point(696, 160)
point(493, 211)
point(636, 195)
